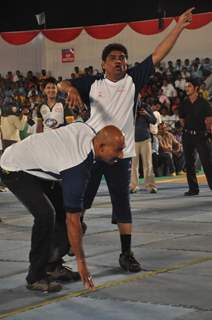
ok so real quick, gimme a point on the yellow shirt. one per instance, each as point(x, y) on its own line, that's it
point(10, 127)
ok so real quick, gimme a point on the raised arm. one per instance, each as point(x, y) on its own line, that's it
point(166, 45)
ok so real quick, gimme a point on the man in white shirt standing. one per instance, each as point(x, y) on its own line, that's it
point(112, 98)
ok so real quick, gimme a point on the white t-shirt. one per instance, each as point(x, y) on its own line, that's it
point(114, 99)
point(113, 103)
point(49, 153)
point(169, 91)
point(52, 117)
point(154, 127)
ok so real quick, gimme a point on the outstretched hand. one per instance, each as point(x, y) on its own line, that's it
point(185, 18)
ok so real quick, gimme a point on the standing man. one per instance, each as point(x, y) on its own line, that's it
point(112, 98)
point(143, 149)
point(13, 119)
point(195, 115)
point(29, 169)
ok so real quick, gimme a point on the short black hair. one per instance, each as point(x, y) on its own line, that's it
point(113, 47)
point(194, 81)
point(50, 80)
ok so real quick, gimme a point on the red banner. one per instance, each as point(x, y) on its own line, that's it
point(68, 55)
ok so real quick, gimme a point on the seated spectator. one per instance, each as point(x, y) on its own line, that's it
point(168, 89)
point(185, 74)
point(203, 91)
point(20, 88)
point(163, 99)
point(180, 82)
point(168, 146)
point(179, 159)
point(187, 64)
point(178, 65)
point(43, 75)
point(196, 72)
point(18, 76)
point(206, 67)
point(170, 68)
point(78, 72)
point(165, 116)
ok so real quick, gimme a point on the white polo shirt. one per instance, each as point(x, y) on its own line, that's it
point(49, 153)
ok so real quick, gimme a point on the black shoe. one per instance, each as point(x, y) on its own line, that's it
point(63, 273)
point(44, 285)
point(129, 263)
point(191, 193)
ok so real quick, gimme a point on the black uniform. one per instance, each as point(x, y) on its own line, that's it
point(196, 138)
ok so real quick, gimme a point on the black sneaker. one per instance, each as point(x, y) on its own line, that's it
point(63, 273)
point(190, 193)
point(129, 263)
point(45, 286)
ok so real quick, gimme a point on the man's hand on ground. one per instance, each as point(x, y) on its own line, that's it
point(85, 275)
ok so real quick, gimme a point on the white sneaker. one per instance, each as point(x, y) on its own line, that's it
point(153, 190)
point(134, 190)
point(3, 189)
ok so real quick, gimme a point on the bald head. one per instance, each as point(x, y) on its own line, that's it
point(110, 134)
point(109, 144)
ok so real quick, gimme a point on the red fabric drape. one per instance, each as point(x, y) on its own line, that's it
point(62, 35)
point(105, 32)
point(149, 27)
point(18, 38)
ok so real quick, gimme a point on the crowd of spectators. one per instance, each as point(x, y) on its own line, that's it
point(164, 93)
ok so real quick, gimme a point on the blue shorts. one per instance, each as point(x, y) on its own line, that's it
point(117, 177)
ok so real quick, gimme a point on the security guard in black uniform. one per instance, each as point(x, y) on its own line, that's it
point(194, 114)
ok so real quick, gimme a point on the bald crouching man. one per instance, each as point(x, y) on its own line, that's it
point(32, 169)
